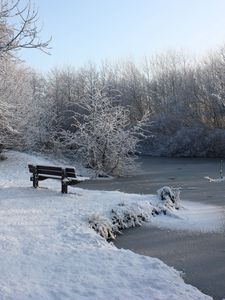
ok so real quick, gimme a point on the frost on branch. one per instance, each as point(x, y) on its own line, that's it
point(18, 28)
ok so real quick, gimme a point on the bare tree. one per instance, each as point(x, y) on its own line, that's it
point(18, 27)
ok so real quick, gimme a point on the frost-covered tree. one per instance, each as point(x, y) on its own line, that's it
point(38, 129)
point(18, 30)
point(132, 89)
point(13, 92)
point(102, 134)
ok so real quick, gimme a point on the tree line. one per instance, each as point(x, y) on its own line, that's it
point(169, 105)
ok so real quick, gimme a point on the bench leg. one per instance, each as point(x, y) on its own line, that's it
point(35, 181)
point(64, 189)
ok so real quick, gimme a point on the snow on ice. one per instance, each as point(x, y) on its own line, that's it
point(48, 250)
point(215, 179)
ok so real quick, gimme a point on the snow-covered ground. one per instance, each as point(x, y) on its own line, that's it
point(49, 251)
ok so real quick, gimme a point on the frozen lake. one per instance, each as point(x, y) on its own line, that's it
point(178, 172)
point(201, 256)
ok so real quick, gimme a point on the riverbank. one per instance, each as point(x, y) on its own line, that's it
point(200, 255)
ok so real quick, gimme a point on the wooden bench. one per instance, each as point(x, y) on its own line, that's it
point(66, 175)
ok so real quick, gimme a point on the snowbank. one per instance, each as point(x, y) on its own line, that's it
point(48, 251)
point(122, 216)
point(193, 216)
point(133, 214)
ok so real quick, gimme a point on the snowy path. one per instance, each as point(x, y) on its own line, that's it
point(47, 250)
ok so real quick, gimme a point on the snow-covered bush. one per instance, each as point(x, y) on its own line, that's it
point(169, 196)
point(102, 225)
point(131, 216)
point(185, 141)
point(172, 138)
point(103, 135)
point(135, 214)
point(121, 217)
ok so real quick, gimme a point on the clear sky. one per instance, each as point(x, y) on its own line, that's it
point(96, 30)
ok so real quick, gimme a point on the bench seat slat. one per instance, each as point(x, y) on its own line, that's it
point(43, 177)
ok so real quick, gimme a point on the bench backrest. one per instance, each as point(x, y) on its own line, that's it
point(31, 168)
point(53, 171)
point(70, 172)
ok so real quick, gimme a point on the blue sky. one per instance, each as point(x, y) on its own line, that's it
point(96, 30)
